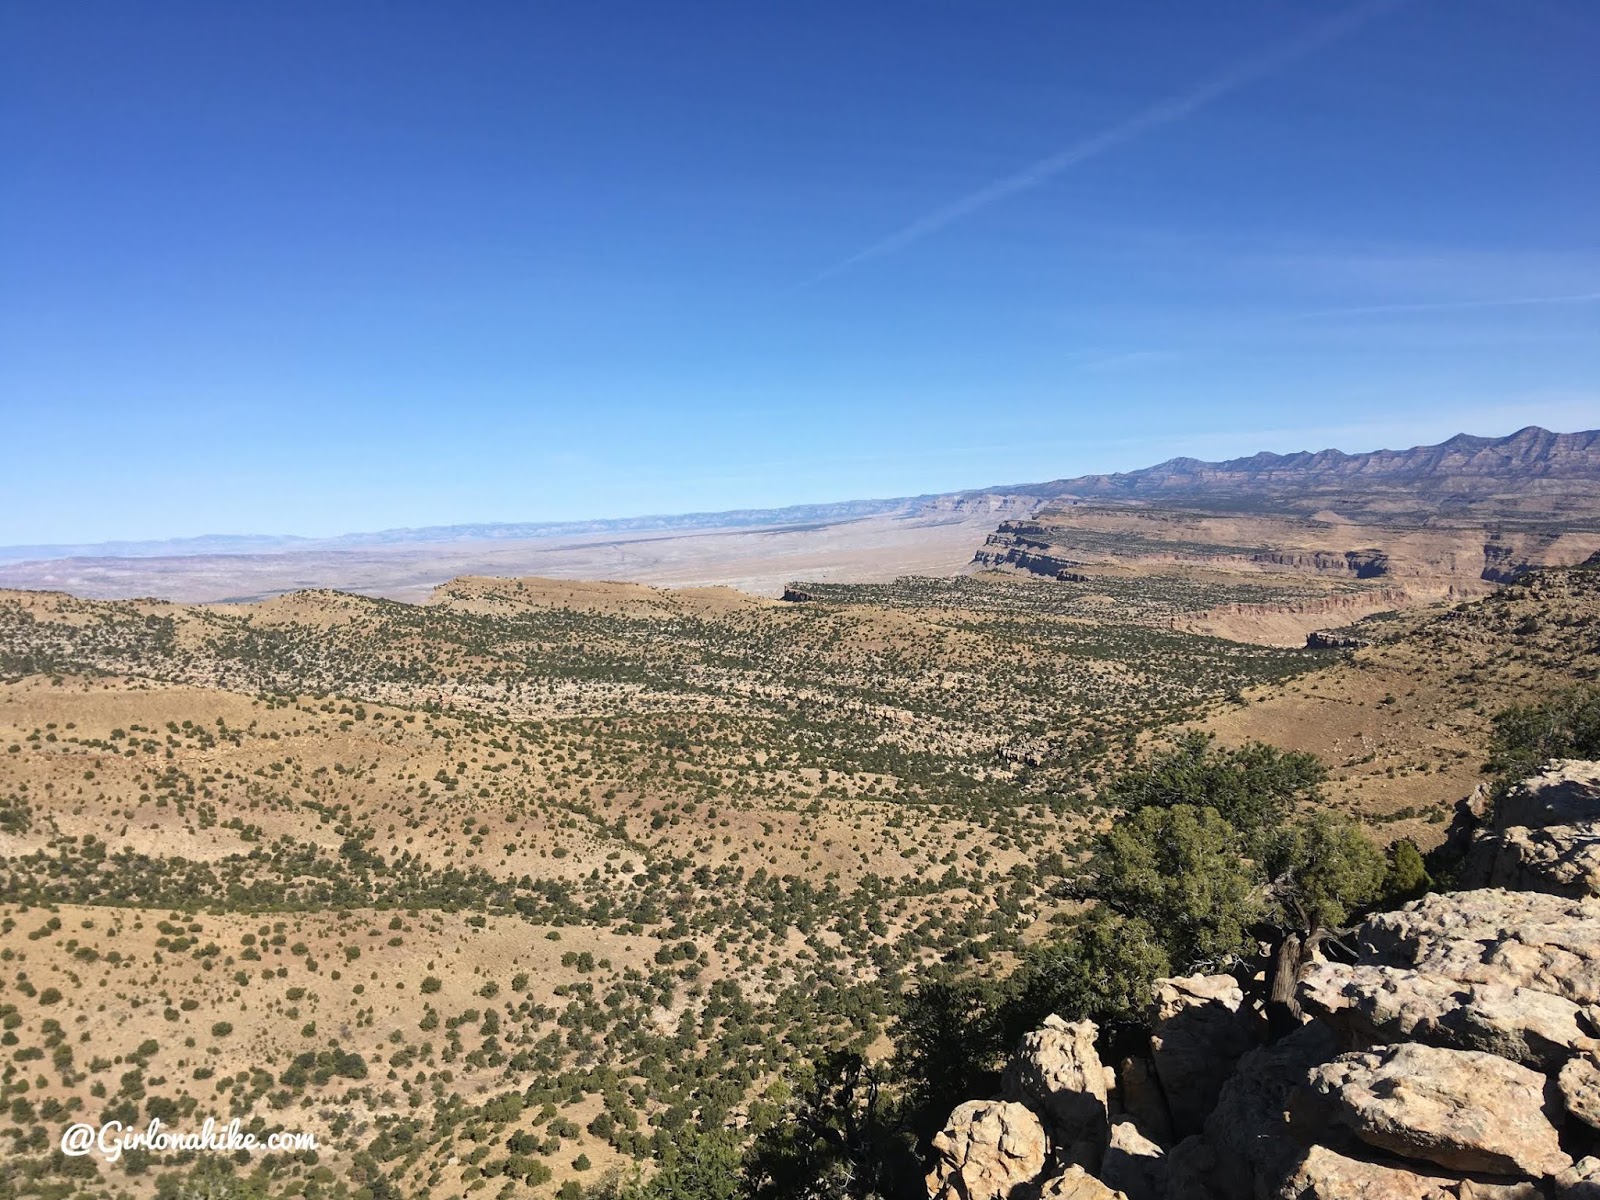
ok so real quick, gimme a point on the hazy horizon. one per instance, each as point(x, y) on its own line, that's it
point(641, 522)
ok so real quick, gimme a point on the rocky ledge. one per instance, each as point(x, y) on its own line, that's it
point(1457, 1057)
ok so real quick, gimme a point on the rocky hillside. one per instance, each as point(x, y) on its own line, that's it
point(1454, 1051)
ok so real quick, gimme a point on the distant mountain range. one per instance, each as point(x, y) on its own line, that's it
point(1464, 473)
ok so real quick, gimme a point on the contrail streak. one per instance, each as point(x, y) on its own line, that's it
point(1175, 108)
point(1447, 305)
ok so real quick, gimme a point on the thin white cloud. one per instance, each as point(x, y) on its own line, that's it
point(1166, 112)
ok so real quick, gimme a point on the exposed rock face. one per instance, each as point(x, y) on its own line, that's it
point(1561, 860)
point(1017, 544)
point(1248, 1128)
point(1143, 1101)
point(1326, 1174)
point(1077, 1184)
point(1191, 1166)
point(1201, 1029)
point(796, 595)
point(1058, 1074)
point(987, 1148)
point(1477, 1189)
point(1322, 639)
point(1565, 792)
point(1542, 835)
point(1390, 1004)
point(1581, 1182)
point(1133, 1164)
point(1523, 939)
point(1461, 1109)
point(1580, 1089)
point(1033, 752)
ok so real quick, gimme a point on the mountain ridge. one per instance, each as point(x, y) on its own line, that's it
point(1459, 461)
point(1537, 452)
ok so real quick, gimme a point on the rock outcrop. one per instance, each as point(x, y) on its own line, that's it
point(1077, 1184)
point(1390, 1004)
point(1457, 1058)
point(986, 1149)
point(1133, 1163)
point(1581, 1182)
point(1057, 1073)
point(1143, 1101)
point(1460, 1109)
point(1580, 1089)
point(1325, 1174)
point(1324, 639)
point(1519, 939)
point(1542, 835)
point(1201, 1030)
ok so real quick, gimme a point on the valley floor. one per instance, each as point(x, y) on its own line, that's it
point(509, 888)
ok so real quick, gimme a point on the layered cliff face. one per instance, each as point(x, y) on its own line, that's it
point(1410, 563)
point(1456, 1056)
point(1431, 523)
point(1052, 542)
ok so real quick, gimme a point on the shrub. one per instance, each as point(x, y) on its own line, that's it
point(1252, 788)
point(1183, 872)
point(1408, 876)
point(1566, 725)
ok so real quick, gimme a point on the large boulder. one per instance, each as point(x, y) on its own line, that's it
point(1564, 792)
point(1134, 1164)
point(1460, 1109)
point(1541, 835)
point(986, 1149)
point(1580, 1182)
point(1058, 1074)
point(1563, 860)
point(1518, 939)
point(1580, 1089)
point(1191, 1169)
point(1392, 1004)
point(1481, 1189)
point(1325, 1174)
point(1201, 1029)
point(1077, 1184)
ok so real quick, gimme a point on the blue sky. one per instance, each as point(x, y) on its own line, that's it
point(311, 268)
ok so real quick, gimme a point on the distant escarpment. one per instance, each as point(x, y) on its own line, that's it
point(1037, 548)
point(1429, 561)
point(1434, 522)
